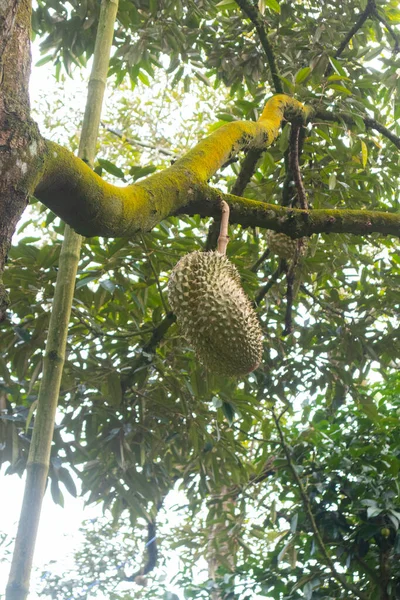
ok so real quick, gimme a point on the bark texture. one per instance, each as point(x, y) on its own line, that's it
point(20, 141)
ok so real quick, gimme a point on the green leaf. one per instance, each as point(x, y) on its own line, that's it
point(114, 388)
point(111, 168)
point(229, 412)
point(302, 74)
point(364, 153)
point(273, 5)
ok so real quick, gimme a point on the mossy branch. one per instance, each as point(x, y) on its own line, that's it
point(294, 222)
point(94, 207)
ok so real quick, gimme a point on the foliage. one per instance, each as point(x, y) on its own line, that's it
point(139, 415)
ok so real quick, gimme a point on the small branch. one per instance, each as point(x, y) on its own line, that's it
point(289, 302)
point(294, 222)
point(272, 280)
point(322, 304)
point(290, 293)
point(247, 171)
point(325, 115)
point(367, 12)
point(133, 142)
point(152, 556)
point(223, 238)
point(390, 29)
point(260, 261)
point(159, 333)
point(294, 156)
point(163, 302)
point(212, 235)
point(255, 17)
point(349, 587)
point(144, 358)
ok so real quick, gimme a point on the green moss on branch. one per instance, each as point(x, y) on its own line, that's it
point(94, 207)
point(294, 222)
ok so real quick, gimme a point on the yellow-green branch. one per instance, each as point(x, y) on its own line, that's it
point(294, 222)
point(94, 207)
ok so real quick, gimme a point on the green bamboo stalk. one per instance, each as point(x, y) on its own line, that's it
point(39, 454)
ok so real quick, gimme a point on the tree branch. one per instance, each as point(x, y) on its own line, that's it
point(349, 587)
point(294, 155)
point(94, 207)
point(294, 222)
point(325, 115)
point(390, 29)
point(252, 13)
point(132, 142)
point(271, 282)
point(254, 268)
point(368, 11)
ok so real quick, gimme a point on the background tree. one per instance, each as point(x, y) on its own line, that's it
point(305, 450)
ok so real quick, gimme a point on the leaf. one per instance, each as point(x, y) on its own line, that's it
point(273, 5)
point(56, 493)
point(66, 478)
point(30, 414)
point(373, 511)
point(368, 407)
point(364, 153)
point(332, 181)
point(228, 411)
point(302, 74)
point(111, 168)
point(114, 388)
point(337, 67)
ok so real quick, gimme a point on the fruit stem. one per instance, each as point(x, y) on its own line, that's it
point(223, 238)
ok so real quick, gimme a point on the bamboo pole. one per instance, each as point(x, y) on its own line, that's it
point(39, 454)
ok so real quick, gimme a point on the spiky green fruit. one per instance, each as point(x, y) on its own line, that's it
point(215, 314)
point(283, 245)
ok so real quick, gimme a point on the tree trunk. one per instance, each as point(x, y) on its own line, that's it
point(20, 142)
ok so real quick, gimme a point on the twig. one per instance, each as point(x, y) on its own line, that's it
point(152, 555)
point(324, 305)
point(144, 358)
point(389, 28)
point(163, 302)
point(97, 332)
point(133, 142)
point(159, 332)
point(294, 156)
point(290, 294)
point(254, 15)
point(260, 261)
point(368, 11)
point(289, 299)
point(369, 123)
point(349, 587)
point(223, 238)
point(272, 280)
point(213, 233)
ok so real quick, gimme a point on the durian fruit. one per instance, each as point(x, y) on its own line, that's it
point(215, 314)
point(283, 245)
